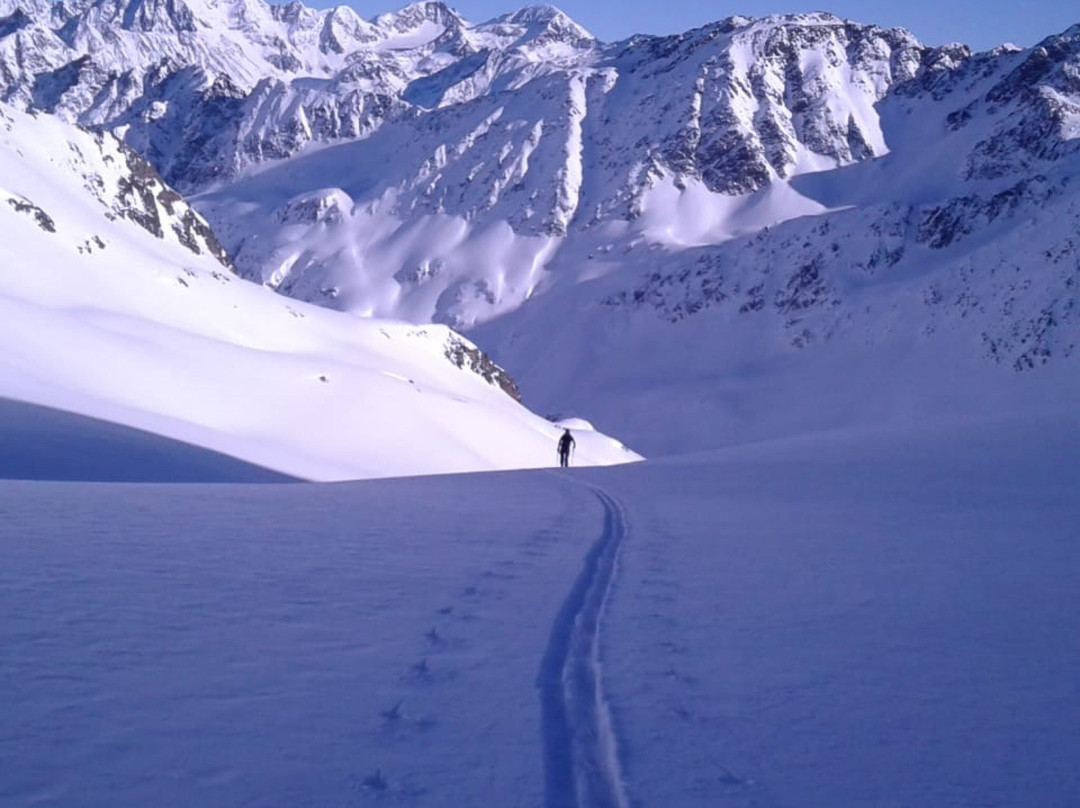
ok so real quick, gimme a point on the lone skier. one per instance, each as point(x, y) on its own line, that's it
point(566, 445)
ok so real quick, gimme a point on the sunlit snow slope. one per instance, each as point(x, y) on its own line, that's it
point(117, 303)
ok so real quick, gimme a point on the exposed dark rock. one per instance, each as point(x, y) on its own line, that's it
point(466, 355)
point(43, 219)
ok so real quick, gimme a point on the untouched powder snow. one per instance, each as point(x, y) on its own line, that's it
point(38, 443)
point(860, 617)
point(113, 306)
point(852, 618)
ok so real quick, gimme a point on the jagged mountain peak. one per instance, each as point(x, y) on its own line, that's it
point(416, 14)
point(540, 24)
point(173, 16)
point(811, 27)
point(296, 13)
point(14, 21)
point(540, 14)
point(34, 8)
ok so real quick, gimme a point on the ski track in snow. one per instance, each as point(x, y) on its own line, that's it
point(581, 766)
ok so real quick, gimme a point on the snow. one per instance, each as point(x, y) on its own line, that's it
point(37, 443)
point(140, 331)
point(845, 576)
point(423, 34)
point(692, 215)
point(642, 142)
point(856, 617)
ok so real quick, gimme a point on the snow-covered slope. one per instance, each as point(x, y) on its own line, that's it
point(116, 302)
point(872, 619)
point(942, 276)
point(40, 443)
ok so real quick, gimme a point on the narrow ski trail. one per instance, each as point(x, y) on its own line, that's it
point(581, 766)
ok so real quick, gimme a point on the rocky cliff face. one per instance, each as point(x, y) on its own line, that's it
point(123, 183)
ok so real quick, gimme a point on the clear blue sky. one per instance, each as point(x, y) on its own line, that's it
point(979, 23)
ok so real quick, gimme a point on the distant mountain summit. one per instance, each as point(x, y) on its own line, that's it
point(243, 82)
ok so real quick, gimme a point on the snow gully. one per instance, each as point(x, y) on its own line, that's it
point(581, 767)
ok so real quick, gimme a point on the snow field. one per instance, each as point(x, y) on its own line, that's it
point(37, 443)
point(861, 617)
point(852, 619)
point(282, 645)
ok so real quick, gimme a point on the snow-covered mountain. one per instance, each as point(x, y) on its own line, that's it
point(942, 276)
point(116, 302)
point(798, 195)
point(853, 255)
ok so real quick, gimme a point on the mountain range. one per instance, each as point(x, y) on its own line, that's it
point(660, 233)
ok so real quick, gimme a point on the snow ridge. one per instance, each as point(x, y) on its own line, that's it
point(581, 764)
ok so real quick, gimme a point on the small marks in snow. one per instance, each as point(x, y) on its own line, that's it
point(398, 377)
point(498, 576)
point(682, 678)
point(682, 713)
point(441, 657)
point(394, 713)
point(379, 787)
point(672, 647)
point(88, 246)
point(397, 721)
point(729, 778)
point(22, 205)
point(376, 781)
point(425, 673)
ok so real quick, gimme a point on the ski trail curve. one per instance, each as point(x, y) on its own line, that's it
point(581, 766)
